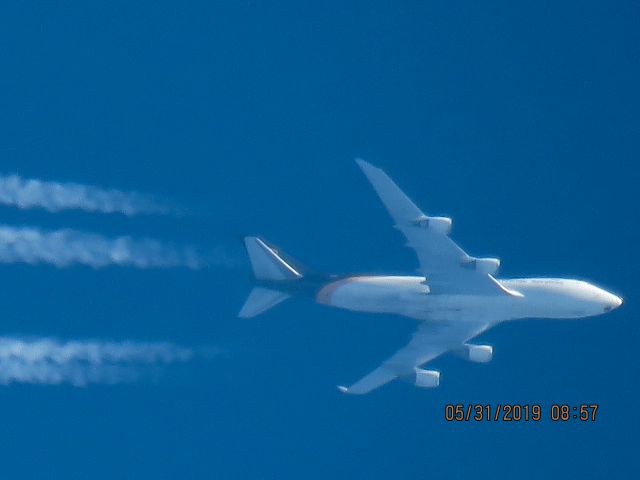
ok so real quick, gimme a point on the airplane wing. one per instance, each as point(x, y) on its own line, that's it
point(432, 339)
point(447, 268)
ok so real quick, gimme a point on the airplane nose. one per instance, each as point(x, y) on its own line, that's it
point(615, 302)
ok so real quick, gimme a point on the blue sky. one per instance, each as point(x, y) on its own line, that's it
point(518, 120)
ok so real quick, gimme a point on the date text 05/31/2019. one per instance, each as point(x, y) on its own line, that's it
point(515, 412)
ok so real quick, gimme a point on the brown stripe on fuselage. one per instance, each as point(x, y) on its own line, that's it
point(324, 295)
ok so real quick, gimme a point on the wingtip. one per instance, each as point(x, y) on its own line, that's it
point(367, 168)
point(364, 165)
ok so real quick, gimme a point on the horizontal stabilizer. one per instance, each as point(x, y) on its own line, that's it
point(266, 263)
point(260, 300)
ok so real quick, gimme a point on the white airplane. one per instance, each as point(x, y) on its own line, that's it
point(455, 296)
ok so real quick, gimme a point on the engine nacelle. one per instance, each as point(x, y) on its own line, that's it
point(487, 266)
point(478, 353)
point(427, 378)
point(437, 224)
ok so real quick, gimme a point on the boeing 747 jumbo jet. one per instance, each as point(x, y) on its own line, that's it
point(455, 297)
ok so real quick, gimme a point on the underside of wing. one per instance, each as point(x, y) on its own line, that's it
point(432, 339)
point(447, 268)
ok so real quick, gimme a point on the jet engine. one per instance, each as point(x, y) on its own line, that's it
point(487, 266)
point(427, 378)
point(437, 224)
point(478, 353)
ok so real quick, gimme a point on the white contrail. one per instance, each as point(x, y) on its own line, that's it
point(79, 363)
point(56, 196)
point(63, 248)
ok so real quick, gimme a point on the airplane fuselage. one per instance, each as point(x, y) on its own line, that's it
point(410, 296)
